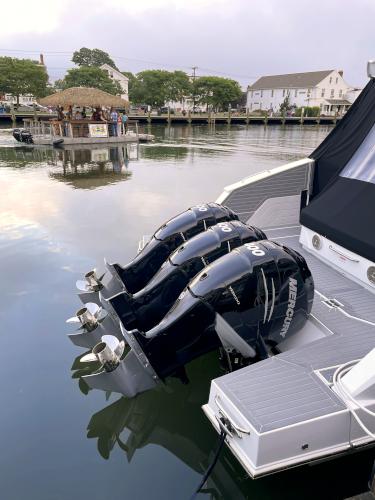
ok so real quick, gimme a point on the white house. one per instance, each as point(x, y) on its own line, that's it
point(117, 76)
point(28, 99)
point(326, 89)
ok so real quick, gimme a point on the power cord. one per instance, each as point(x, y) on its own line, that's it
point(212, 465)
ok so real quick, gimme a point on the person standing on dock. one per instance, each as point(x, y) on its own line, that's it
point(114, 118)
point(125, 121)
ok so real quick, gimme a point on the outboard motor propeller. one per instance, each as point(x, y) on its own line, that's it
point(147, 307)
point(90, 286)
point(247, 301)
point(94, 322)
point(135, 276)
point(108, 352)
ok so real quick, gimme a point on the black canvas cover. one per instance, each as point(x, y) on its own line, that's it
point(335, 151)
point(342, 207)
point(345, 214)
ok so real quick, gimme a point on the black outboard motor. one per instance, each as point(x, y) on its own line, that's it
point(166, 239)
point(255, 296)
point(22, 135)
point(147, 307)
point(26, 137)
point(17, 134)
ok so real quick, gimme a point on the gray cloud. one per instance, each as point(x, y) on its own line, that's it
point(240, 39)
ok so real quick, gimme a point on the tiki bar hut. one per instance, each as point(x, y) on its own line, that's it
point(84, 116)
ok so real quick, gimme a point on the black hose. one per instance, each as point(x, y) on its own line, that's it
point(212, 465)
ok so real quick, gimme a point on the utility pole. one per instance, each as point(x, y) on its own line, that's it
point(194, 68)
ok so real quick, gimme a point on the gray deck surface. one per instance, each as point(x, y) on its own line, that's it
point(249, 198)
point(284, 390)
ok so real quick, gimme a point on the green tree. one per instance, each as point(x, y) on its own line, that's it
point(149, 87)
point(308, 111)
point(90, 77)
point(286, 105)
point(155, 87)
point(132, 80)
point(92, 57)
point(22, 76)
point(216, 91)
point(177, 86)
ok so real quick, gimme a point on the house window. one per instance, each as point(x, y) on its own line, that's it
point(252, 93)
point(323, 92)
point(261, 93)
point(271, 93)
point(295, 93)
point(332, 93)
point(337, 79)
point(308, 92)
point(283, 92)
point(340, 93)
point(330, 79)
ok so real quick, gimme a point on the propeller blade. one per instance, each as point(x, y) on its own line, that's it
point(93, 308)
point(74, 319)
point(82, 286)
point(88, 358)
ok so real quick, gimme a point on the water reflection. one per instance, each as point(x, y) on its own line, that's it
point(79, 167)
point(148, 419)
point(91, 168)
point(50, 234)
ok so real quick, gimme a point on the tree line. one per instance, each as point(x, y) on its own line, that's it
point(149, 87)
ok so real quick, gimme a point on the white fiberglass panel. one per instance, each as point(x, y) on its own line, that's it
point(362, 164)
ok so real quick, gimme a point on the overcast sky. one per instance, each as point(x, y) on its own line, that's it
point(240, 39)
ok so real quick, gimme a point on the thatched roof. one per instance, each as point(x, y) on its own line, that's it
point(83, 96)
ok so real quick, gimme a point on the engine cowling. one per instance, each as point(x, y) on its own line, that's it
point(262, 291)
point(146, 308)
point(166, 239)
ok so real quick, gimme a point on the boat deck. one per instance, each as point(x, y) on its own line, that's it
point(286, 389)
point(287, 400)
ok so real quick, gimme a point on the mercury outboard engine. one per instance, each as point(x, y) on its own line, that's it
point(147, 307)
point(22, 135)
point(247, 301)
point(17, 134)
point(26, 137)
point(167, 238)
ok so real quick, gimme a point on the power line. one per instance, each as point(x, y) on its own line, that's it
point(144, 61)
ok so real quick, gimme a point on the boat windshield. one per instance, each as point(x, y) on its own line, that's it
point(361, 166)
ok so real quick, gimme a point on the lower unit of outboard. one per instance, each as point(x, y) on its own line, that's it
point(247, 301)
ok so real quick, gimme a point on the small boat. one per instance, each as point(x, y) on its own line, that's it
point(75, 128)
point(277, 276)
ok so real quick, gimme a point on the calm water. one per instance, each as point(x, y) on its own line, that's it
point(61, 212)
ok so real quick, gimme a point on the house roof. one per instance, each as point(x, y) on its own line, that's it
point(292, 80)
point(339, 101)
